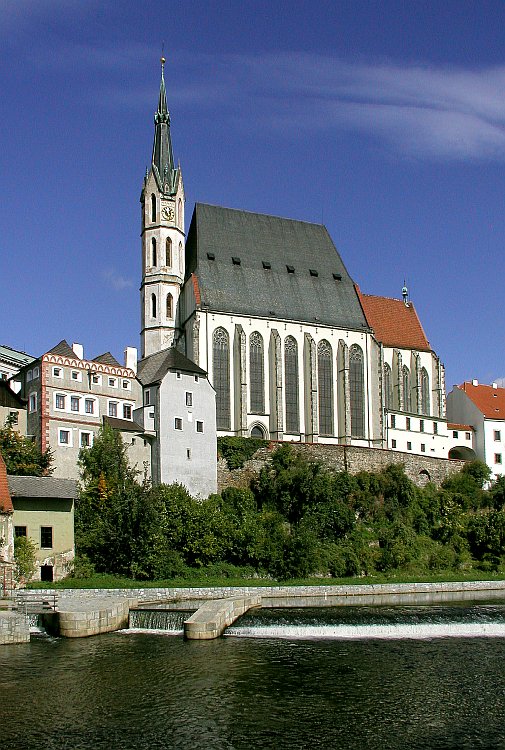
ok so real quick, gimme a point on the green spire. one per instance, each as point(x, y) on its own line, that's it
point(163, 159)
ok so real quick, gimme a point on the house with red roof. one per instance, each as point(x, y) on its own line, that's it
point(483, 408)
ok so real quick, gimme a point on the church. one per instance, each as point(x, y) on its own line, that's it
point(291, 346)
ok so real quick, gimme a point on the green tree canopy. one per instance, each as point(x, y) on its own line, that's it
point(22, 455)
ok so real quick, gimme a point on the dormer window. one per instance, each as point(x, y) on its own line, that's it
point(267, 265)
point(235, 260)
point(290, 269)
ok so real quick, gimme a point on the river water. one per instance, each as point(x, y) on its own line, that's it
point(351, 678)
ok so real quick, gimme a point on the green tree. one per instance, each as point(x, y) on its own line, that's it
point(25, 558)
point(22, 456)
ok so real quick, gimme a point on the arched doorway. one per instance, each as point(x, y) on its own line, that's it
point(259, 431)
point(463, 453)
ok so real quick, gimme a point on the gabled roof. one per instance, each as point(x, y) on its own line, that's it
point(394, 323)
point(489, 401)
point(9, 398)
point(123, 425)
point(107, 359)
point(152, 369)
point(50, 487)
point(265, 266)
point(5, 498)
point(463, 427)
point(63, 349)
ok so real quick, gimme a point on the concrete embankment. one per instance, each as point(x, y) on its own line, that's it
point(213, 617)
point(93, 611)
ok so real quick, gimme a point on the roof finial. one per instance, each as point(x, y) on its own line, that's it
point(405, 294)
point(162, 58)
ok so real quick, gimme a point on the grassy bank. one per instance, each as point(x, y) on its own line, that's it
point(116, 582)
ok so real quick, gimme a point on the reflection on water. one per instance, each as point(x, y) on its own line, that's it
point(141, 691)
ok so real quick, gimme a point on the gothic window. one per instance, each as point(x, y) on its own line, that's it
point(153, 252)
point(221, 377)
point(407, 401)
point(325, 388)
point(388, 387)
point(153, 305)
point(291, 385)
point(425, 392)
point(153, 207)
point(170, 306)
point(357, 391)
point(168, 252)
point(180, 257)
point(256, 373)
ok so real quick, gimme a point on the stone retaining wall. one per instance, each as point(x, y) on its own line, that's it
point(79, 617)
point(420, 469)
point(14, 628)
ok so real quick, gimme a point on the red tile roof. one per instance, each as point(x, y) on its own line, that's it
point(393, 322)
point(488, 400)
point(5, 497)
point(454, 426)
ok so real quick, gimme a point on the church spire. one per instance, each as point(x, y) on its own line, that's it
point(163, 159)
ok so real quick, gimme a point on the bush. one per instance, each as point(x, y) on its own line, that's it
point(237, 450)
point(83, 567)
point(25, 558)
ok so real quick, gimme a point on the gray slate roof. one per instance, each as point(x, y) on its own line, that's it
point(63, 349)
point(265, 266)
point(152, 369)
point(49, 487)
point(107, 359)
point(123, 425)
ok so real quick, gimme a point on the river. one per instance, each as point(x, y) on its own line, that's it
point(351, 688)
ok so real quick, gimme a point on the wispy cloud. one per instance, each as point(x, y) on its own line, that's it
point(115, 281)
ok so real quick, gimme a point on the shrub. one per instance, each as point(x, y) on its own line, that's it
point(237, 450)
point(25, 558)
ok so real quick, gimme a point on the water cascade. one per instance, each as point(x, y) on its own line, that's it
point(354, 623)
point(161, 621)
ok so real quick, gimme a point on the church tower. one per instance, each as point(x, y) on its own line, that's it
point(163, 240)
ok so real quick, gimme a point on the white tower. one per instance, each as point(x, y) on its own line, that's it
point(163, 240)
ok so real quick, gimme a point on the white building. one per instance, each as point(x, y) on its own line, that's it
point(69, 397)
point(180, 411)
point(482, 407)
point(11, 361)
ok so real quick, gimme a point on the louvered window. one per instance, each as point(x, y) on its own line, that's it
point(357, 391)
point(291, 385)
point(221, 377)
point(325, 388)
point(256, 373)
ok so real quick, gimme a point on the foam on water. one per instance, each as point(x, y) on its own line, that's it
point(399, 631)
point(150, 631)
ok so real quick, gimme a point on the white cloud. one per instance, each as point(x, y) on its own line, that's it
point(115, 280)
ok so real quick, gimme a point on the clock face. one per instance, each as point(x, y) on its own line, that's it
point(167, 213)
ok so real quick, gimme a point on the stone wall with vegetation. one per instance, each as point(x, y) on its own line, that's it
point(419, 469)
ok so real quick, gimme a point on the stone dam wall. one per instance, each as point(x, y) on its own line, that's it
point(420, 469)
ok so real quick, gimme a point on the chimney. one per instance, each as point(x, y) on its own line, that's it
point(78, 350)
point(475, 382)
point(494, 385)
point(130, 358)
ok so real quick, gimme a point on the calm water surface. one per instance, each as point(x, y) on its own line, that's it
point(144, 691)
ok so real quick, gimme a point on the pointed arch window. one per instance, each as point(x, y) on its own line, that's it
point(170, 306)
point(256, 373)
point(168, 252)
point(291, 385)
point(154, 257)
point(153, 306)
point(425, 392)
point(325, 387)
point(153, 207)
point(357, 391)
point(221, 377)
point(388, 387)
point(181, 259)
point(407, 400)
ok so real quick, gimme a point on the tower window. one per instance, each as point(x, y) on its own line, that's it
point(170, 306)
point(153, 305)
point(168, 252)
point(153, 207)
point(153, 252)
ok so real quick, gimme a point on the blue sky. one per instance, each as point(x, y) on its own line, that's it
point(385, 120)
